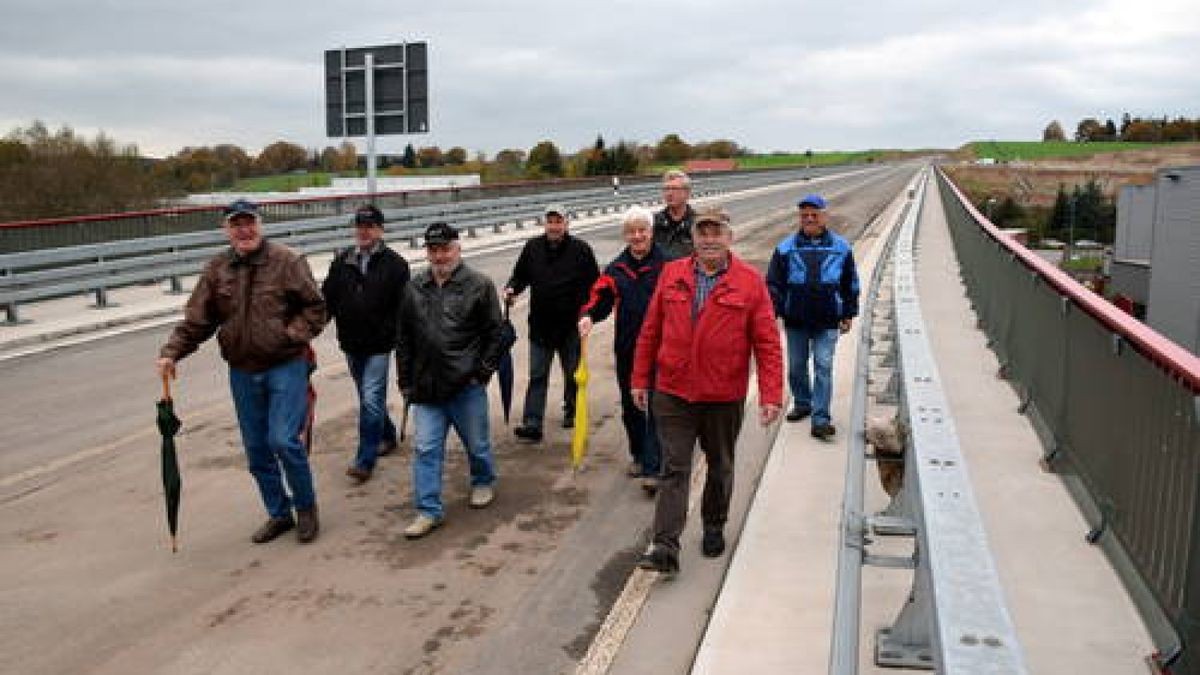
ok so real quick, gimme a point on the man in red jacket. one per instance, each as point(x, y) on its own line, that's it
point(709, 314)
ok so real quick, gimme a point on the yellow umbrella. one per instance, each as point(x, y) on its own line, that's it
point(580, 440)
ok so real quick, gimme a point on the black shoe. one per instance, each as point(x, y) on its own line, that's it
point(528, 434)
point(271, 529)
point(798, 413)
point(359, 475)
point(659, 559)
point(386, 448)
point(569, 421)
point(713, 543)
point(823, 431)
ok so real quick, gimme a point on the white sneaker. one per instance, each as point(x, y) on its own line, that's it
point(421, 526)
point(481, 496)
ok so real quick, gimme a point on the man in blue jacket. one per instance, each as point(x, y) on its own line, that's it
point(814, 285)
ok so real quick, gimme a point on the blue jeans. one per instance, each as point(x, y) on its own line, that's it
point(271, 409)
point(467, 412)
point(370, 373)
point(819, 342)
point(539, 379)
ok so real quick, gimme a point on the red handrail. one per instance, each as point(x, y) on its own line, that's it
point(126, 215)
point(1176, 360)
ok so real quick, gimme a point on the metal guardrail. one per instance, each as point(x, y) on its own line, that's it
point(955, 619)
point(1117, 409)
point(93, 269)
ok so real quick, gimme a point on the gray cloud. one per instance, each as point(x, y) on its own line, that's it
point(771, 74)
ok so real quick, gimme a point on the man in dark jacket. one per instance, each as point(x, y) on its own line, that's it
point(362, 292)
point(814, 287)
point(448, 346)
point(627, 285)
point(261, 300)
point(560, 269)
point(673, 225)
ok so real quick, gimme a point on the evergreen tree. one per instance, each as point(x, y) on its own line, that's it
point(409, 161)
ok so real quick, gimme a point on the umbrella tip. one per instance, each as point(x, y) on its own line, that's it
point(174, 546)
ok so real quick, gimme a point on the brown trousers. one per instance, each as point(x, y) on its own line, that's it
point(680, 425)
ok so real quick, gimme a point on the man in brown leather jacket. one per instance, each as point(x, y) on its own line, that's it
point(261, 300)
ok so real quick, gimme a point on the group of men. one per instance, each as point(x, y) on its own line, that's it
point(690, 319)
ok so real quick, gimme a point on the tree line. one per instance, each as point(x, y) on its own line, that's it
point(46, 174)
point(1083, 212)
point(1131, 129)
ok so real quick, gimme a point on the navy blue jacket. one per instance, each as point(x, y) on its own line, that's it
point(627, 284)
point(813, 282)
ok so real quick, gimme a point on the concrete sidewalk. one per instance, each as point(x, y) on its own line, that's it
point(775, 610)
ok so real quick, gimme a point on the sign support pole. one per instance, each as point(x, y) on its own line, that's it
point(369, 79)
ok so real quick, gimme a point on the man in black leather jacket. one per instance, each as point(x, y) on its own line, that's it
point(447, 347)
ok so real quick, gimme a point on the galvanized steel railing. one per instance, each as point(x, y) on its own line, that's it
point(955, 619)
point(1116, 406)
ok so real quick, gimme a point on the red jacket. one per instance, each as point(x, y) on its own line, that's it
point(708, 360)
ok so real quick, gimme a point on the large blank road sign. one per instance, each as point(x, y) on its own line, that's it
point(401, 90)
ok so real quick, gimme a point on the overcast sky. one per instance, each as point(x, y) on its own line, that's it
point(770, 74)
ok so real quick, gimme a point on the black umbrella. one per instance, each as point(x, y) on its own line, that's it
point(504, 369)
point(168, 426)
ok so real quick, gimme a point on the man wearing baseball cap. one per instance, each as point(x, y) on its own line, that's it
point(447, 347)
point(262, 302)
point(709, 315)
point(362, 291)
point(814, 286)
point(559, 270)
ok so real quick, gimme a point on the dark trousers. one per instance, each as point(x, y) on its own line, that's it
point(680, 425)
point(639, 426)
point(540, 356)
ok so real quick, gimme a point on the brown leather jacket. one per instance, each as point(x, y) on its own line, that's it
point(266, 307)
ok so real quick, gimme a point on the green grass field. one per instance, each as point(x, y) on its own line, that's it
point(284, 182)
point(1008, 151)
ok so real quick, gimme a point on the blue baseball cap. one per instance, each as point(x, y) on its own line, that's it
point(814, 200)
point(241, 207)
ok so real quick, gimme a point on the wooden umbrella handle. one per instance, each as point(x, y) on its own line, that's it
point(166, 378)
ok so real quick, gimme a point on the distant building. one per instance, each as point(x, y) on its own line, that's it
point(1156, 256)
point(697, 165)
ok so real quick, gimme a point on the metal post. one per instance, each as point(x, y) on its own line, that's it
point(369, 80)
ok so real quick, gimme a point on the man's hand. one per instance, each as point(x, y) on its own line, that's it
point(165, 366)
point(641, 398)
point(585, 326)
point(844, 325)
point(768, 414)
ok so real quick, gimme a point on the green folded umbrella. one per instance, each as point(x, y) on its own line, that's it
point(168, 426)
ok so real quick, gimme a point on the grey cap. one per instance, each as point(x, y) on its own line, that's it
point(558, 209)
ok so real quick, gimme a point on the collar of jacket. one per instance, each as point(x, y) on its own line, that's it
point(804, 240)
point(256, 257)
point(350, 255)
point(626, 259)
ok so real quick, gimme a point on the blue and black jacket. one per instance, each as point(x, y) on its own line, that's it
point(627, 284)
point(813, 281)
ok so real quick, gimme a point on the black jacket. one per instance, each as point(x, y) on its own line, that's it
point(627, 284)
point(559, 279)
point(447, 336)
point(364, 307)
point(675, 236)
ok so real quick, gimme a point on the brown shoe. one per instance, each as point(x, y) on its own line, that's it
point(307, 524)
point(358, 475)
point(650, 486)
point(271, 529)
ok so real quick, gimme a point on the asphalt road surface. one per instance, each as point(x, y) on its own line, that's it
point(89, 585)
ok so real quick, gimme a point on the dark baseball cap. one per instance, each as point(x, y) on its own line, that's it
point(368, 215)
point(241, 207)
point(814, 200)
point(440, 233)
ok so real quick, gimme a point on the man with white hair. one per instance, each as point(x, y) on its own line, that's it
point(673, 225)
point(261, 300)
point(627, 284)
